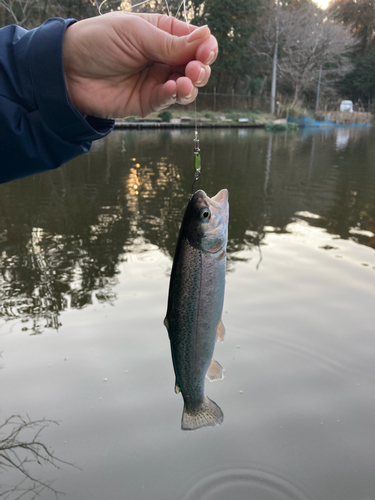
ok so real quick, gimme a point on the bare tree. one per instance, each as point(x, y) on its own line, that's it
point(27, 13)
point(308, 38)
point(17, 452)
point(32, 13)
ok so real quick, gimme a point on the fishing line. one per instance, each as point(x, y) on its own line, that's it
point(179, 7)
point(99, 7)
point(197, 156)
point(166, 3)
point(186, 21)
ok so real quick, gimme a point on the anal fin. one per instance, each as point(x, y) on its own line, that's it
point(220, 332)
point(215, 371)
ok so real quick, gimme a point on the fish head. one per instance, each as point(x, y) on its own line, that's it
point(206, 221)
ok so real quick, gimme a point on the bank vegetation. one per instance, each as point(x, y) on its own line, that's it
point(327, 52)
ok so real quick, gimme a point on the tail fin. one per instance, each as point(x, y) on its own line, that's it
point(208, 414)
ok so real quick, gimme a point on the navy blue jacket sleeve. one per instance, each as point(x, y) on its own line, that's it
point(39, 128)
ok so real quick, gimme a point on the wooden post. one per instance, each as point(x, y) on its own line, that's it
point(318, 91)
point(274, 64)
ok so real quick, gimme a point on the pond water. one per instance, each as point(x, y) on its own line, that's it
point(86, 253)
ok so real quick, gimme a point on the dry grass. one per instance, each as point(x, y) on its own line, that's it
point(345, 117)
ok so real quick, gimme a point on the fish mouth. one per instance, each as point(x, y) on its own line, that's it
point(214, 231)
point(220, 202)
point(220, 197)
point(220, 208)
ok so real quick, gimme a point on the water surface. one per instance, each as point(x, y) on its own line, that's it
point(86, 253)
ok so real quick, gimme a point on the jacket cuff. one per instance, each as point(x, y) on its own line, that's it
point(48, 81)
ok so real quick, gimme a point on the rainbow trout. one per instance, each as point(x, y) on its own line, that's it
point(195, 303)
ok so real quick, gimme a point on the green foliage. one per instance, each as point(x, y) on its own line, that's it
point(359, 16)
point(165, 116)
point(240, 26)
point(361, 81)
point(295, 111)
point(253, 85)
point(280, 127)
point(232, 22)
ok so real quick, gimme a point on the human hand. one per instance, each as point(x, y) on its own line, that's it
point(123, 64)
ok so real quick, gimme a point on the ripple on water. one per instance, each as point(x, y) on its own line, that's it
point(244, 484)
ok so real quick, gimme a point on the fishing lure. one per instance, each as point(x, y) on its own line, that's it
point(197, 159)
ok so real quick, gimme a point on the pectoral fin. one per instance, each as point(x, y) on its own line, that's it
point(166, 324)
point(220, 333)
point(177, 389)
point(215, 371)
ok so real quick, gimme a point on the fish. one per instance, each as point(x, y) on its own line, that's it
point(195, 304)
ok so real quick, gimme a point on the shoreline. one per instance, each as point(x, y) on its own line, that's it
point(167, 125)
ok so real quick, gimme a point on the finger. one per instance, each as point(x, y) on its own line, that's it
point(186, 92)
point(158, 45)
point(207, 51)
point(175, 76)
point(169, 24)
point(198, 73)
point(163, 96)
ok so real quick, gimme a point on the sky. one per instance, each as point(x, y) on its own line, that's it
point(322, 3)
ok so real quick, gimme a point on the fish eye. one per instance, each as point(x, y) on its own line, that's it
point(205, 214)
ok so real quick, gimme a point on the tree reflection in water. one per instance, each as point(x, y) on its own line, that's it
point(20, 449)
point(63, 234)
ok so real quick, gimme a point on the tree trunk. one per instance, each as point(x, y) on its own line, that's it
point(297, 92)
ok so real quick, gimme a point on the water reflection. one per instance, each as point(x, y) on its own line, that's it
point(21, 448)
point(342, 138)
point(64, 234)
point(244, 482)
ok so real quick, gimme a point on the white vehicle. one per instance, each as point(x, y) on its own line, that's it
point(346, 106)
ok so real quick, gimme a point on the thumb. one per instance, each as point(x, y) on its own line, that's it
point(172, 50)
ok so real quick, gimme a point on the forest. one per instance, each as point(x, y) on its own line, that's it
point(331, 49)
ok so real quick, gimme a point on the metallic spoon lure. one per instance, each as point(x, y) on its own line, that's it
point(197, 160)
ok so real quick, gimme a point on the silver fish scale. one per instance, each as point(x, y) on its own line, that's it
point(196, 299)
point(196, 295)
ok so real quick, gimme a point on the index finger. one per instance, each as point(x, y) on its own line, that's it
point(207, 51)
point(166, 23)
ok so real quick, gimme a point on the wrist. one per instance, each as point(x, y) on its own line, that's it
point(68, 55)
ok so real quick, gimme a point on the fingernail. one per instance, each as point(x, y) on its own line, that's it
point(190, 94)
point(201, 76)
point(211, 58)
point(198, 33)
